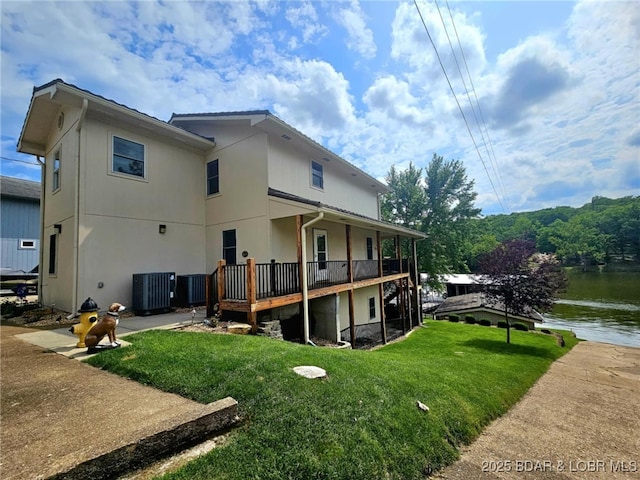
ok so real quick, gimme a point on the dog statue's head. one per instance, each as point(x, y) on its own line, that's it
point(116, 308)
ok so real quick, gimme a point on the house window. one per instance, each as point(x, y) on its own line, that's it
point(369, 248)
point(229, 246)
point(213, 178)
point(317, 178)
point(27, 245)
point(372, 308)
point(55, 184)
point(128, 157)
point(53, 250)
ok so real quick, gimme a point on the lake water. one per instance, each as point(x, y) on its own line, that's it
point(602, 307)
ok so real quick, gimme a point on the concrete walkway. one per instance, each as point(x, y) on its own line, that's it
point(581, 420)
point(65, 419)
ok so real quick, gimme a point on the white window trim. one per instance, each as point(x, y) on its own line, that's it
point(311, 175)
point(57, 153)
point(22, 244)
point(111, 171)
point(206, 175)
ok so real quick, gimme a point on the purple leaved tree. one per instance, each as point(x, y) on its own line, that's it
point(521, 280)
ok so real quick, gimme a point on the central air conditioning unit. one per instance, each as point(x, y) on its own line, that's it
point(191, 290)
point(153, 292)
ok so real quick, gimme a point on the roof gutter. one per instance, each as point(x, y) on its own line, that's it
point(305, 288)
point(76, 212)
point(43, 183)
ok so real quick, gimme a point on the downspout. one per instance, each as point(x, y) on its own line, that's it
point(76, 208)
point(305, 289)
point(43, 191)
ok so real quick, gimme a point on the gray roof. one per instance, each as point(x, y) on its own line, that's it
point(19, 188)
point(475, 301)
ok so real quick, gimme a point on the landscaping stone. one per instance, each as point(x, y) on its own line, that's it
point(239, 328)
point(308, 371)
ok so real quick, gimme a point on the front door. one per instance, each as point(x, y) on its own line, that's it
point(320, 256)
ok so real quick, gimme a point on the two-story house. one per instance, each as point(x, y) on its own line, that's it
point(283, 226)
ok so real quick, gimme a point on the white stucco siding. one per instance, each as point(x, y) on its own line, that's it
point(243, 185)
point(360, 307)
point(359, 243)
point(171, 191)
point(114, 248)
point(120, 214)
point(249, 238)
point(290, 171)
point(284, 240)
point(60, 202)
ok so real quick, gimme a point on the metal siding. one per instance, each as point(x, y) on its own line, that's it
point(19, 220)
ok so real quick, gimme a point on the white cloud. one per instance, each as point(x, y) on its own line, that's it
point(304, 17)
point(359, 37)
point(311, 96)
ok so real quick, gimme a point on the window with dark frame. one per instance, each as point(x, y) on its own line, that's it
point(317, 177)
point(372, 307)
point(369, 248)
point(53, 250)
point(55, 184)
point(213, 177)
point(229, 246)
point(128, 157)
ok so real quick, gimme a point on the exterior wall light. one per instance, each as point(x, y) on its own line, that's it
point(162, 228)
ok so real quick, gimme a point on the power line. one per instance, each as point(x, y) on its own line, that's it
point(21, 161)
point(444, 71)
point(494, 162)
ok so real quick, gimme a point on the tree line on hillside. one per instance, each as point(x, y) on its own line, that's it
point(602, 231)
point(439, 201)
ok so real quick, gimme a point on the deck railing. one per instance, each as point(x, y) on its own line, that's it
point(278, 279)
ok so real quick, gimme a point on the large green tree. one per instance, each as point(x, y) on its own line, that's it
point(439, 204)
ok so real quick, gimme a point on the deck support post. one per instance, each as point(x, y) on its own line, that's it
point(252, 316)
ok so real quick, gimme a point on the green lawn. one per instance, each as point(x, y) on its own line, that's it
point(362, 422)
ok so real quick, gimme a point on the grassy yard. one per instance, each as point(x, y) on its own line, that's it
point(362, 422)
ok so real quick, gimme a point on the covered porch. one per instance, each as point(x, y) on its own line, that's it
point(254, 287)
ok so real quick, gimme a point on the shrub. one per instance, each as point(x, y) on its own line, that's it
point(484, 322)
point(454, 318)
point(521, 326)
point(470, 319)
point(502, 324)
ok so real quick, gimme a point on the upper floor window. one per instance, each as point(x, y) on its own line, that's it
point(128, 157)
point(369, 248)
point(317, 178)
point(213, 177)
point(55, 184)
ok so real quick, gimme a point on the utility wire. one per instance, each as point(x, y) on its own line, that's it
point(444, 71)
point(21, 161)
point(494, 163)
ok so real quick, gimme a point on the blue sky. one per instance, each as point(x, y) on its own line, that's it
point(554, 112)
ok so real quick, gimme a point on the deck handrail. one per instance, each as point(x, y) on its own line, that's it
point(282, 278)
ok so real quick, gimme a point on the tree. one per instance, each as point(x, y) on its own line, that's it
point(521, 280)
point(449, 208)
point(405, 204)
point(439, 205)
